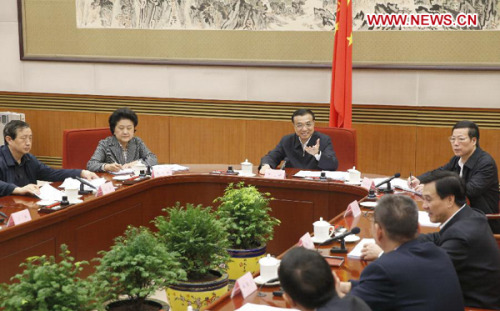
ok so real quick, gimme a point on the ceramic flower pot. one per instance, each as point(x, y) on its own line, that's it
point(197, 294)
point(244, 260)
point(126, 305)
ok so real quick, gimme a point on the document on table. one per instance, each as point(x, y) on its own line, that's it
point(49, 193)
point(424, 220)
point(256, 307)
point(126, 171)
point(356, 251)
point(73, 183)
point(316, 174)
point(173, 167)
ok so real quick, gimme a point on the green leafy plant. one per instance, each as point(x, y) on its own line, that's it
point(136, 266)
point(47, 285)
point(197, 235)
point(245, 214)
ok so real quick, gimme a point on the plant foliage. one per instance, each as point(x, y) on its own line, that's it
point(245, 214)
point(137, 265)
point(197, 235)
point(47, 285)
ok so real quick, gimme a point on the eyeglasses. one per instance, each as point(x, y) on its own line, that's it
point(460, 139)
point(300, 125)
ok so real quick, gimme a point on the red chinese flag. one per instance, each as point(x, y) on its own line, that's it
point(341, 95)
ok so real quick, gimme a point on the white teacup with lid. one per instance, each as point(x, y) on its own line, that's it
point(246, 167)
point(138, 168)
point(268, 268)
point(323, 229)
point(354, 175)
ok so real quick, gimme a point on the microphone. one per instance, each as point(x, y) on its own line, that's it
point(82, 183)
point(284, 164)
point(388, 182)
point(354, 230)
point(261, 294)
point(342, 249)
point(388, 179)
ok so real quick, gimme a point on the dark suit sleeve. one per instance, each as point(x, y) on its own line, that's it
point(457, 248)
point(447, 167)
point(374, 287)
point(484, 174)
point(275, 156)
point(328, 160)
point(43, 172)
point(429, 237)
point(6, 188)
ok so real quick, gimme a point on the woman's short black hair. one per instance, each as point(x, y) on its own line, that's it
point(119, 114)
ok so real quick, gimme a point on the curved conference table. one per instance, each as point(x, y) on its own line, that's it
point(91, 226)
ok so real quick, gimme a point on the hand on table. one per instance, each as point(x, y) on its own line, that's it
point(130, 165)
point(264, 168)
point(28, 189)
point(88, 175)
point(370, 251)
point(112, 167)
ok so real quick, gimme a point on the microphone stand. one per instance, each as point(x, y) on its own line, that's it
point(341, 249)
point(260, 293)
point(388, 189)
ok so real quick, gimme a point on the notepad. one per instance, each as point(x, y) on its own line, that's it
point(356, 251)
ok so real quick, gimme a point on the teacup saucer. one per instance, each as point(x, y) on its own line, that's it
point(318, 241)
point(352, 183)
point(352, 238)
point(258, 280)
point(368, 204)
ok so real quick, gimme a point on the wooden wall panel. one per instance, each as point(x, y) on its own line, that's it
point(206, 140)
point(386, 149)
point(433, 148)
point(48, 126)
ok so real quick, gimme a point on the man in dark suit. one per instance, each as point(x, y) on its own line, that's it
point(306, 278)
point(304, 149)
point(475, 166)
point(410, 275)
point(466, 237)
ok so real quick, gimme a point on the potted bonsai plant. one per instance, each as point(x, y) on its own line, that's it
point(136, 266)
point(245, 213)
point(47, 285)
point(201, 240)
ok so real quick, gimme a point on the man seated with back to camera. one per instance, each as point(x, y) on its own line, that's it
point(308, 283)
point(475, 166)
point(410, 275)
point(19, 170)
point(464, 234)
point(305, 149)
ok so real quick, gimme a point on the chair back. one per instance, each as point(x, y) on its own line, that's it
point(345, 145)
point(79, 145)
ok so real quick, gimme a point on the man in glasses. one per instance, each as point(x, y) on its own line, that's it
point(475, 166)
point(304, 149)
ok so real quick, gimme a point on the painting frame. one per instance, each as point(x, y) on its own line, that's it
point(47, 34)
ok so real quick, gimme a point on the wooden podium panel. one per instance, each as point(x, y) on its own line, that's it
point(92, 225)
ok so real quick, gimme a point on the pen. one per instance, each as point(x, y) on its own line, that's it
point(52, 205)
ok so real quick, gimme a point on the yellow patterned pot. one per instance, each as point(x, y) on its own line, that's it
point(197, 294)
point(244, 260)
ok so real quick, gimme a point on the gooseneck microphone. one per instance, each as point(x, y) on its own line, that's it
point(82, 183)
point(354, 230)
point(341, 237)
point(388, 182)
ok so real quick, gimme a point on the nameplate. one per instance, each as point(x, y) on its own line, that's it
point(160, 171)
point(276, 174)
point(245, 284)
point(353, 209)
point(18, 218)
point(306, 241)
point(105, 189)
point(367, 183)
